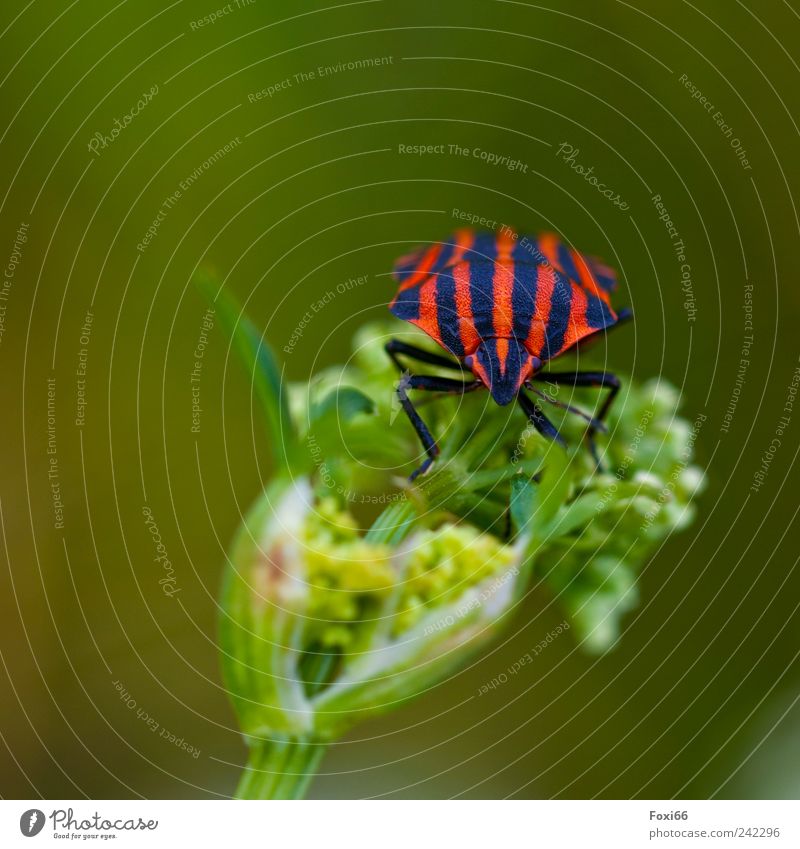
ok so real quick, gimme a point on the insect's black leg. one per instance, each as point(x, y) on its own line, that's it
point(539, 420)
point(395, 346)
point(432, 384)
point(600, 379)
point(595, 424)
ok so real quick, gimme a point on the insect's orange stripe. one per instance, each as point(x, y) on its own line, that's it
point(480, 372)
point(503, 309)
point(464, 241)
point(587, 278)
point(545, 283)
point(502, 352)
point(548, 244)
point(503, 287)
point(505, 244)
point(578, 326)
point(423, 268)
point(466, 322)
point(428, 309)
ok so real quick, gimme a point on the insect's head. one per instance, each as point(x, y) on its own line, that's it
point(503, 365)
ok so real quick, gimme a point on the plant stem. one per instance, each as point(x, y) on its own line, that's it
point(280, 769)
point(490, 477)
point(394, 523)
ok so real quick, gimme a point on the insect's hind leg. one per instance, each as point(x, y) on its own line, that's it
point(598, 379)
point(431, 384)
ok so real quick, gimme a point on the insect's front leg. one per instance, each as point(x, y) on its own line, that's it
point(599, 379)
point(539, 420)
point(432, 384)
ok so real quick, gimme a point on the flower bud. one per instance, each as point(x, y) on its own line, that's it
point(265, 601)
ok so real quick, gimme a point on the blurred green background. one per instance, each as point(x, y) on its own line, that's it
point(699, 698)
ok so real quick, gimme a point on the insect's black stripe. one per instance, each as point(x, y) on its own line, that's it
point(444, 255)
point(483, 248)
point(526, 249)
point(604, 276)
point(489, 360)
point(482, 254)
point(608, 283)
point(523, 297)
point(447, 313)
point(560, 310)
point(513, 365)
point(567, 263)
point(403, 272)
point(406, 304)
point(598, 315)
point(481, 291)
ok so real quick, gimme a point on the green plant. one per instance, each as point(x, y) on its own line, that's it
point(324, 624)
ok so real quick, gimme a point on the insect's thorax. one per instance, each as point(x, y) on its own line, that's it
point(503, 364)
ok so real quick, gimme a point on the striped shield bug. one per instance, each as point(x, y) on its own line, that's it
point(502, 306)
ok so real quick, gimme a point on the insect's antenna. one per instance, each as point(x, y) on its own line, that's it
point(595, 423)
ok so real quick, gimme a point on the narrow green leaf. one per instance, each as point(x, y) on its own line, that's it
point(393, 525)
point(523, 498)
point(535, 506)
point(260, 363)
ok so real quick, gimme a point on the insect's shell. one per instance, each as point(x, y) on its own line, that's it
point(475, 287)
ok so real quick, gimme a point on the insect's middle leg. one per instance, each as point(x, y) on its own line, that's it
point(431, 384)
point(394, 347)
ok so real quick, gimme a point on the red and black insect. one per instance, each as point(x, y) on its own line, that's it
point(503, 306)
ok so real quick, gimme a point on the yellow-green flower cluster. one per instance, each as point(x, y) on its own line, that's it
point(351, 578)
point(348, 576)
point(322, 625)
point(444, 563)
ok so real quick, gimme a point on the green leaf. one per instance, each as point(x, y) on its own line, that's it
point(523, 498)
point(345, 431)
point(260, 363)
point(345, 402)
point(579, 514)
point(553, 489)
point(535, 505)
